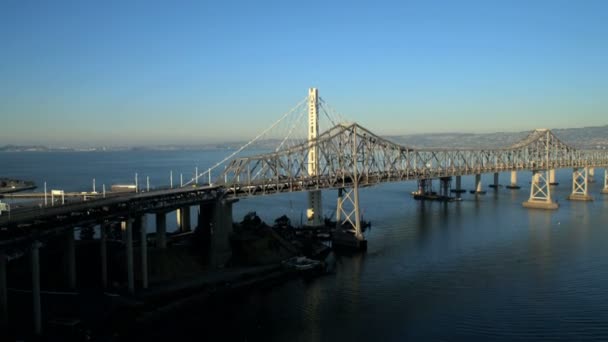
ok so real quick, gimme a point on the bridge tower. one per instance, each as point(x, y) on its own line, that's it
point(540, 190)
point(349, 229)
point(579, 185)
point(315, 208)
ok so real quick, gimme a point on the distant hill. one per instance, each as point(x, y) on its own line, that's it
point(17, 148)
point(586, 137)
point(583, 138)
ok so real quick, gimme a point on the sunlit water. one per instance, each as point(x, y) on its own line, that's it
point(481, 269)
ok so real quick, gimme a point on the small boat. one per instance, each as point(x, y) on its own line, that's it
point(307, 268)
point(323, 236)
point(301, 263)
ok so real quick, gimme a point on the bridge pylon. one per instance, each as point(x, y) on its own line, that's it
point(540, 192)
point(579, 185)
point(315, 205)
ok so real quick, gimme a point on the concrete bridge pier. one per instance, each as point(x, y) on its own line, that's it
point(103, 252)
point(495, 185)
point(513, 184)
point(579, 185)
point(127, 227)
point(220, 251)
point(70, 258)
point(591, 175)
point(161, 230)
point(605, 190)
point(204, 221)
point(459, 188)
point(540, 193)
point(478, 188)
point(142, 223)
point(3, 294)
point(183, 219)
point(444, 186)
point(339, 207)
point(552, 177)
point(35, 270)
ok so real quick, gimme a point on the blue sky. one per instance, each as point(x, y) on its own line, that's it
point(140, 72)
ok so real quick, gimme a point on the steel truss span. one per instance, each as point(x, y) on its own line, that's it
point(349, 154)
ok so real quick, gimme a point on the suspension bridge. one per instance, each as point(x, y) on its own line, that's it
point(318, 150)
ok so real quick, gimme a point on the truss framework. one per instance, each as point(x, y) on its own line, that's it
point(540, 189)
point(347, 212)
point(579, 181)
point(349, 154)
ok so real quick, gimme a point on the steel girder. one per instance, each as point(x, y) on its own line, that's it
point(347, 150)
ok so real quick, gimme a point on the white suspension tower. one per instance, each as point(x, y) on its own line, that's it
point(314, 212)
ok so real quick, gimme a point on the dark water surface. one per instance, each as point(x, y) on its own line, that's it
point(481, 269)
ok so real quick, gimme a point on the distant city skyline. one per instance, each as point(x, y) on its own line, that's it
point(137, 73)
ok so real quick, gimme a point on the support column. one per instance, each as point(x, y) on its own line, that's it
point(314, 213)
point(358, 232)
point(513, 184)
point(205, 219)
point(344, 238)
point(579, 185)
point(200, 218)
point(350, 235)
point(605, 190)
point(552, 177)
point(3, 294)
point(459, 188)
point(495, 185)
point(222, 227)
point(478, 189)
point(339, 208)
point(35, 269)
point(70, 259)
point(540, 192)
point(103, 253)
point(444, 187)
point(128, 228)
point(144, 250)
point(183, 219)
point(161, 230)
point(591, 175)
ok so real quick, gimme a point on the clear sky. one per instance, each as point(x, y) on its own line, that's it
point(139, 72)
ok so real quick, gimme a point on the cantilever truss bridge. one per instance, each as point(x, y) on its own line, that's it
point(350, 155)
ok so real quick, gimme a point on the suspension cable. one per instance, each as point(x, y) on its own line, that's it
point(247, 144)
